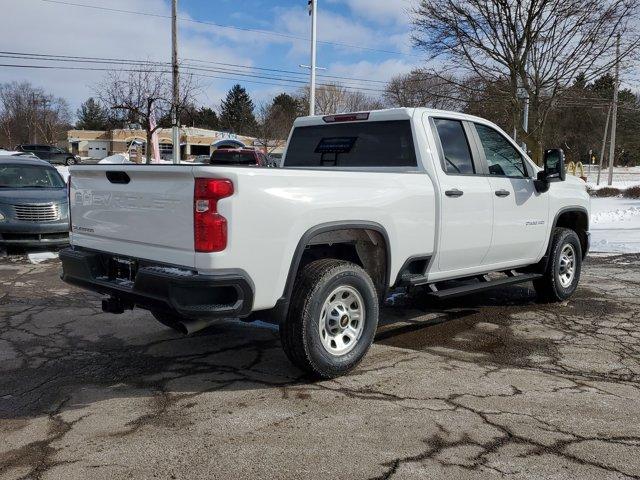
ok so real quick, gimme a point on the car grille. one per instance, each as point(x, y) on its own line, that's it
point(37, 213)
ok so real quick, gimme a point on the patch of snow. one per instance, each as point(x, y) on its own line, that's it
point(64, 171)
point(615, 225)
point(615, 216)
point(41, 257)
point(623, 178)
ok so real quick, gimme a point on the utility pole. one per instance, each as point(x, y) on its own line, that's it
point(176, 83)
point(614, 121)
point(604, 143)
point(313, 11)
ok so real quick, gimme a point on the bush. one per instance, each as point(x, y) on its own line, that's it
point(632, 192)
point(606, 192)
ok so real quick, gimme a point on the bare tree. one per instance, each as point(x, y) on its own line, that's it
point(30, 115)
point(423, 89)
point(539, 46)
point(268, 131)
point(144, 95)
point(334, 98)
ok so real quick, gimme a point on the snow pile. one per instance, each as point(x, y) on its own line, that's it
point(118, 159)
point(41, 257)
point(615, 225)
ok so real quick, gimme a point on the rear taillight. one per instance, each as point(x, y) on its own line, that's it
point(210, 228)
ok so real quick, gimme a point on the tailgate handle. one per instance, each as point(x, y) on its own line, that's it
point(118, 177)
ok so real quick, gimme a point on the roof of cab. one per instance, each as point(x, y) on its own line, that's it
point(19, 160)
point(393, 114)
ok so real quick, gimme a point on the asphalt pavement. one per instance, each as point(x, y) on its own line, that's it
point(489, 386)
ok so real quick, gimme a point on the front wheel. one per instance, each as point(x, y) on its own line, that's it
point(70, 161)
point(562, 275)
point(332, 319)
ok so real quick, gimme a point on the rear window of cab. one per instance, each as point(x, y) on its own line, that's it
point(353, 145)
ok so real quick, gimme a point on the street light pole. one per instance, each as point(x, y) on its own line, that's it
point(313, 9)
point(176, 83)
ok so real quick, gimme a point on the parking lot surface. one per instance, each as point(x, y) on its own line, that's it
point(489, 386)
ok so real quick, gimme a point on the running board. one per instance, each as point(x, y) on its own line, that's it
point(482, 285)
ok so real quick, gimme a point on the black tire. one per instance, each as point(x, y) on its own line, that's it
point(70, 161)
point(169, 319)
point(550, 288)
point(300, 332)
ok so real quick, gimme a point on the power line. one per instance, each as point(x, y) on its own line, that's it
point(237, 75)
point(18, 55)
point(291, 82)
point(231, 27)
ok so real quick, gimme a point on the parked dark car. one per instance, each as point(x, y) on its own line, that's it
point(51, 154)
point(239, 156)
point(34, 210)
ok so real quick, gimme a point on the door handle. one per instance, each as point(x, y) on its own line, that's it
point(502, 193)
point(454, 193)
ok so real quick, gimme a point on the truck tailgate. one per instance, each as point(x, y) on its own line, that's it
point(135, 210)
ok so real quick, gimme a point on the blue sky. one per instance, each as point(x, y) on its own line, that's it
point(58, 28)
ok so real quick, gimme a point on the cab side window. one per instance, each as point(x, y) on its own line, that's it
point(457, 159)
point(502, 157)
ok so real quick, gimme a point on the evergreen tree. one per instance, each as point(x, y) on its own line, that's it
point(282, 113)
point(92, 116)
point(237, 112)
point(207, 118)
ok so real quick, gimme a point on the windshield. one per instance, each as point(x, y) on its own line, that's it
point(233, 157)
point(29, 176)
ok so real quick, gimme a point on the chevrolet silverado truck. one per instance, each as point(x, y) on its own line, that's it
point(364, 203)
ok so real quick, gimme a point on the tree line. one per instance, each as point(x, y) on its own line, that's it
point(483, 57)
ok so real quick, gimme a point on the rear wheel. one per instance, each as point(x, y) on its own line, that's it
point(563, 269)
point(332, 319)
point(70, 161)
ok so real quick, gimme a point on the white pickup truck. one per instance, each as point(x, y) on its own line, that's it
point(364, 203)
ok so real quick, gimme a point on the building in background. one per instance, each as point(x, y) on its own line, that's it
point(194, 142)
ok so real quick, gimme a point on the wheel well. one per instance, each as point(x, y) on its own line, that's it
point(578, 221)
point(365, 247)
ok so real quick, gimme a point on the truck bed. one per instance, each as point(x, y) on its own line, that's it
point(147, 212)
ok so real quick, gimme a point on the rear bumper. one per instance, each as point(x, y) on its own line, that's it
point(226, 294)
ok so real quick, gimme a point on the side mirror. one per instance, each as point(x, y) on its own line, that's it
point(554, 168)
point(541, 182)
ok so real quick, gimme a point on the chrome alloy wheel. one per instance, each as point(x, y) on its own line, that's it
point(341, 320)
point(567, 265)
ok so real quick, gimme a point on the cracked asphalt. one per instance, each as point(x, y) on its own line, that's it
point(489, 386)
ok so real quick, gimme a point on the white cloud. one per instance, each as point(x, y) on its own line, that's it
point(381, 11)
point(379, 71)
point(64, 30)
point(338, 29)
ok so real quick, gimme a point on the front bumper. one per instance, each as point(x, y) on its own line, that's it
point(226, 294)
point(34, 234)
